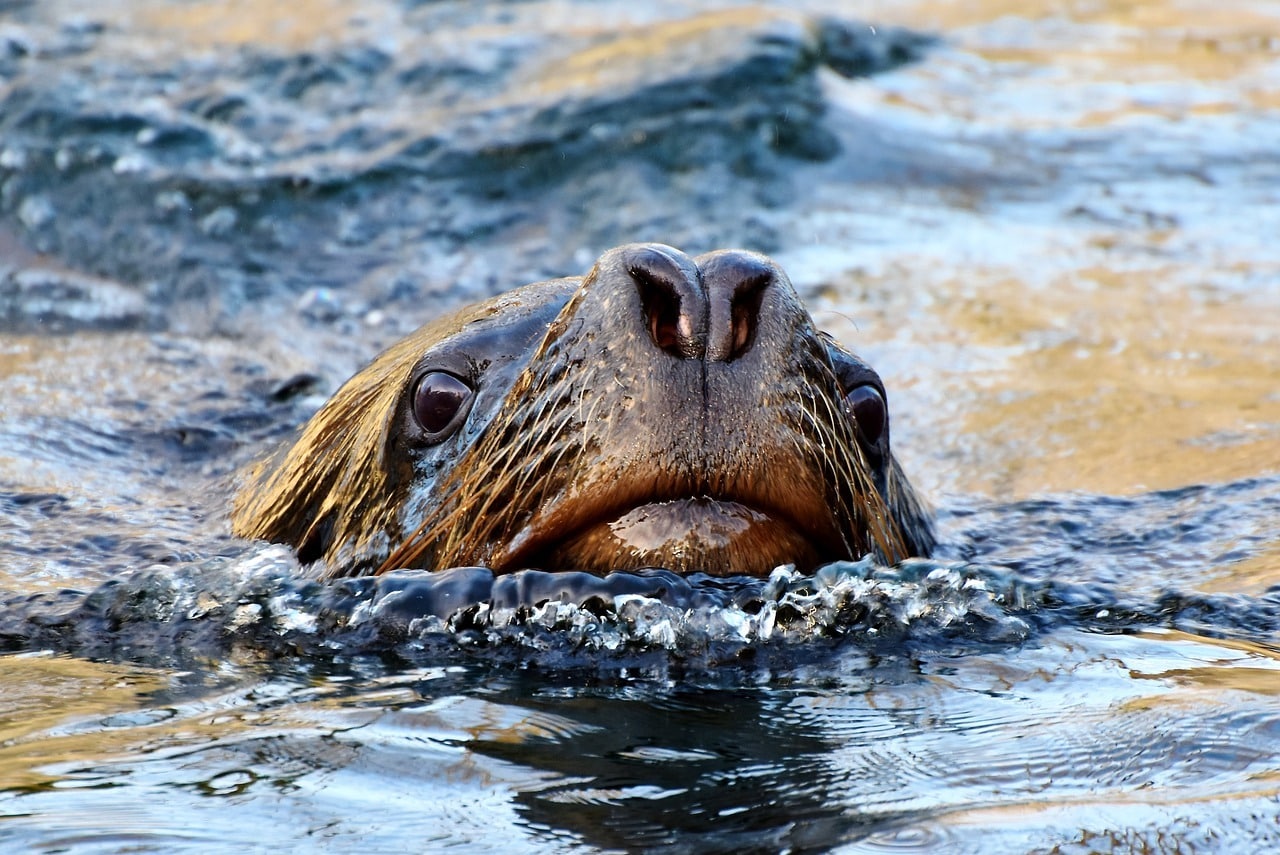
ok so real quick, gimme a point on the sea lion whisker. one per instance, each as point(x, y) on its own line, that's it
point(507, 488)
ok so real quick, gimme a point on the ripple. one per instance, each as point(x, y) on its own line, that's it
point(649, 619)
point(657, 754)
point(914, 838)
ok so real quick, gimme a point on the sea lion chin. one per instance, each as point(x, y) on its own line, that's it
point(661, 411)
point(685, 535)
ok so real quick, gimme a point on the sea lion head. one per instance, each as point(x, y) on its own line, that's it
point(662, 411)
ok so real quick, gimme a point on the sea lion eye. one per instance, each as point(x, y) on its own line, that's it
point(437, 401)
point(866, 405)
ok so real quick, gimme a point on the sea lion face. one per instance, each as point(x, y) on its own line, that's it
point(664, 411)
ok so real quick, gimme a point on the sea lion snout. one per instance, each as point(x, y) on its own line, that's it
point(706, 308)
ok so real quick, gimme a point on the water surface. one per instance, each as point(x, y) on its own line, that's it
point(1053, 234)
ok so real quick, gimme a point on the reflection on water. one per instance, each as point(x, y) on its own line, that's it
point(226, 23)
point(1078, 735)
point(1056, 240)
point(43, 711)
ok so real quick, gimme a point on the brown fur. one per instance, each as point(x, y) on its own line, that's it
point(578, 425)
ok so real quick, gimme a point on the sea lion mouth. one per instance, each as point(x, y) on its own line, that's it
point(690, 534)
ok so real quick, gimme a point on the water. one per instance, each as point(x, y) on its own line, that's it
point(1053, 235)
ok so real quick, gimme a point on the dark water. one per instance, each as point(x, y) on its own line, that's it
point(1052, 231)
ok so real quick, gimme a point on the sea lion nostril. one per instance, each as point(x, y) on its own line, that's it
point(745, 313)
point(673, 305)
point(713, 314)
point(661, 302)
point(735, 284)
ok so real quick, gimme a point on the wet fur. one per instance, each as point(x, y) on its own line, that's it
point(338, 493)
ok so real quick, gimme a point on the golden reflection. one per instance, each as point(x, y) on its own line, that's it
point(628, 54)
point(295, 25)
point(1252, 576)
point(1130, 387)
point(1066, 810)
point(47, 695)
point(1112, 45)
point(1102, 380)
point(1214, 666)
point(69, 722)
point(1240, 648)
point(1200, 38)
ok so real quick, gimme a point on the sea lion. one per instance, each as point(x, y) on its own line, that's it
point(661, 411)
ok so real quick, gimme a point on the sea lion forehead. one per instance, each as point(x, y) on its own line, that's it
point(493, 320)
